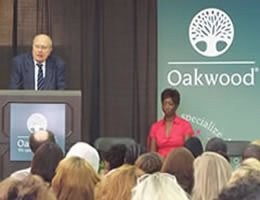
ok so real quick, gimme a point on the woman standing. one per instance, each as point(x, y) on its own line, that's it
point(172, 131)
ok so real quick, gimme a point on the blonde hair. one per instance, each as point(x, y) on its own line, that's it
point(158, 186)
point(75, 179)
point(256, 142)
point(211, 174)
point(118, 184)
point(247, 167)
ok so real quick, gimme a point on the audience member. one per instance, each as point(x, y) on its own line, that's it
point(45, 160)
point(217, 145)
point(251, 151)
point(5, 185)
point(211, 174)
point(158, 186)
point(114, 157)
point(172, 131)
point(35, 141)
point(195, 146)
point(179, 163)
point(118, 184)
point(75, 179)
point(246, 167)
point(32, 187)
point(150, 162)
point(86, 152)
point(133, 152)
point(247, 188)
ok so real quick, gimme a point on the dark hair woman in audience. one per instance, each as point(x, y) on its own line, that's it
point(132, 153)
point(172, 131)
point(179, 163)
point(195, 146)
point(114, 157)
point(45, 160)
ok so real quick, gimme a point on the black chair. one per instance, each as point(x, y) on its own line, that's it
point(236, 148)
point(103, 144)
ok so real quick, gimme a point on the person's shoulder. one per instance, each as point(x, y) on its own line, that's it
point(27, 55)
point(158, 123)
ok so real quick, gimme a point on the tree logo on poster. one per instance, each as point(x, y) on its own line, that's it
point(37, 122)
point(211, 32)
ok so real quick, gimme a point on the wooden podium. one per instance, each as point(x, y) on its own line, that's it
point(71, 100)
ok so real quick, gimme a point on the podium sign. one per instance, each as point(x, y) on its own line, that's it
point(28, 118)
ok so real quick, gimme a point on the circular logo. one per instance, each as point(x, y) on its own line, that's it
point(211, 32)
point(37, 122)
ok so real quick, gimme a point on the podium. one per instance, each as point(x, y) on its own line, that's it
point(26, 111)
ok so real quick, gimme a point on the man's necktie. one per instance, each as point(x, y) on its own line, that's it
point(40, 84)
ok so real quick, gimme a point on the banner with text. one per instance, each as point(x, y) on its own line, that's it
point(210, 52)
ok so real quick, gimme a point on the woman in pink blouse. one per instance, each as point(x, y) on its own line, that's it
point(172, 131)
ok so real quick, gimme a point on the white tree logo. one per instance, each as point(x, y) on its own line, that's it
point(211, 32)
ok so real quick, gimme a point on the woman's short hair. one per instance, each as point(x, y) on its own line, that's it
point(210, 168)
point(194, 145)
point(149, 162)
point(45, 160)
point(171, 93)
point(119, 183)
point(179, 162)
point(75, 179)
point(158, 186)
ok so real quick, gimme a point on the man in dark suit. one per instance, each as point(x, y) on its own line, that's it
point(38, 70)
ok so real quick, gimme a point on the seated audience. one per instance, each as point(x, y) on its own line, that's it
point(114, 157)
point(32, 187)
point(246, 167)
point(179, 163)
point(158, 186)
point(35, 141)
point(150, 162)
point(251, 151)
point(211, 174)
point(247, 188)
point(132, 153)
point(75, 179)
point(118, 184)
point(87, 152)
point(217, 145)
point(45, 160)
point(195, 146)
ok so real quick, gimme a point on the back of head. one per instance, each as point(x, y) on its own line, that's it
point(115, 155)
point(149, 162)
point(179, 162)
point(132, 153)
point(38, 138)
point(194, 145)
point(210, 168)
point(257, 142)
point(219, 146)
point(87, 152)
point(247, 188)
point(156, 186)
point(32, 188)
point(5, 185)
point(251, 151)
point(246, 168)
point(216, 144)
point(75, 179)
point(118, 184)
point(45, 160)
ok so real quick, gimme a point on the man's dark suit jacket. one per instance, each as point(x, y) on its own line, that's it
point(22, 76)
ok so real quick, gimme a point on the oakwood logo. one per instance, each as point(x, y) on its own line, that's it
point(37, 122)
point(211, 32)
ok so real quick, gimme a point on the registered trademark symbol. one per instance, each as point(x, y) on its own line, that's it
point(256, 69)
